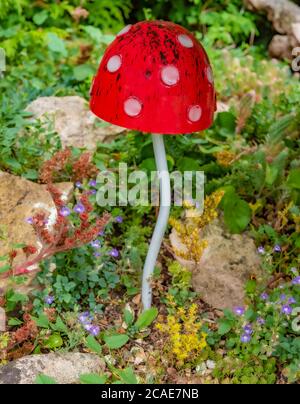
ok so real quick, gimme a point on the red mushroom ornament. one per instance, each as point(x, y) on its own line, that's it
point(155, 77)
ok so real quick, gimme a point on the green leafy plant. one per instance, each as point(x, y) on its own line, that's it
point(44, 379)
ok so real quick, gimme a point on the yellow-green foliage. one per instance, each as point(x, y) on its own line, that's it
point(183, 331)
point(181, 277)
point(189, 229)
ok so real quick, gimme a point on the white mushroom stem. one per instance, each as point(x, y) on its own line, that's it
point(162, 220)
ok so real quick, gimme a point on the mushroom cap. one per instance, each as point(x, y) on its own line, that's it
point(155, 77)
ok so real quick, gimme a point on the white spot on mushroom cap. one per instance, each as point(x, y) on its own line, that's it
point(194, 113)
point(114, 63)
point(185, 41)
point(170, 75)
point(125, 30)
point(209, 75)
point(132, 106)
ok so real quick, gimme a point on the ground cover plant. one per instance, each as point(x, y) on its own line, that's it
point(86, 296)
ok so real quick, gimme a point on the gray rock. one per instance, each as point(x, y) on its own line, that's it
point(285, 17)
point(64, 368)
point(73, 121)
point(226, 264)
point(2, 320)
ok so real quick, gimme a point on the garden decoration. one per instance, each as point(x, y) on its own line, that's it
point(155, 77)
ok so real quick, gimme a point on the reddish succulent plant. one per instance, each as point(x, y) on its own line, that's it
point(62, 235)
point(80, 168)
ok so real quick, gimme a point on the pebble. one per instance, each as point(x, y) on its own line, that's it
point(2, 320)
point(210, 364)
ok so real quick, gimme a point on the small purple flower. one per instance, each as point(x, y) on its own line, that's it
point(79, 208)
point(292, 300)
point(245, 338)
point(260, 321)
point(94, 330)
point(97, 254)
point(65, 211)
point(88, 327)
point(29, 220)
point(95, 243)
point(239, 310)
point(78, 184)
point(286, 309)
point(101, 233)
point(114, 253)
point(277, 248)
point(85, 317)
point(92, 192)
point(264, 296)
point(296, 281)
point(282, 297)
point(118, 219)
point(261, 250)
point(93, 183)
point(49, 299)
point(248, 329)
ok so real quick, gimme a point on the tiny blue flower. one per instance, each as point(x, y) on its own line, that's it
point(85, 317)
point(79, 208)
point(94, 330)
point(286, 309)
point(49, 299)
point(264, 296)
point(292, 300)
point(261, 250)
point(114, 253)
point(282, 297)
point(82, 318)
point(277, 248)
point(78, 184)
point(29, 220)
point(248, 329)
point(93, 183)
point(97, 254)
point(65, 211)
point(95, 243)
point(88, 327)
point(118, 219)
point(245, 338)
point(239, 310)
point(296, 281)
point(101, 233)
point(260, 321)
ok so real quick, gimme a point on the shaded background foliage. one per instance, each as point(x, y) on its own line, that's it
point(251, 153)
